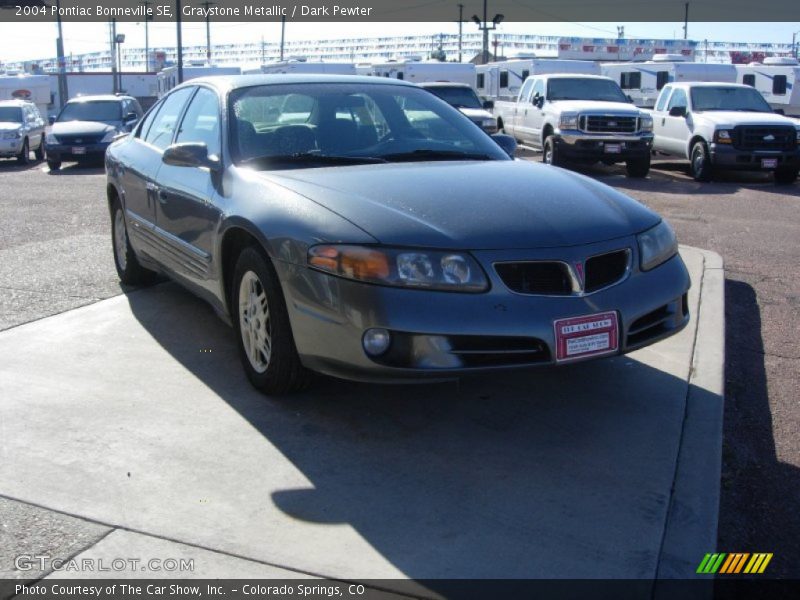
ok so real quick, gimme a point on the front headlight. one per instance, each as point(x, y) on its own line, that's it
point(12, 135)
point(656, 246)
point(403, 267)
point(50, 139)
point(646, 123)
point(568, 121)
point(723, 136)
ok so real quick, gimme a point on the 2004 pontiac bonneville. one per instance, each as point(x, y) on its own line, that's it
point(362, 227)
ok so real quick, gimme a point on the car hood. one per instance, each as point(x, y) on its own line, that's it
point(81, 127)
point(731, 118)
point(476, 113)
point(9, 126)
point(471, 204)
point(617, 108)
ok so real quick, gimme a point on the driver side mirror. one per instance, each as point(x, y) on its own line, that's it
point(677, 111)
point(488, 104)
point(190, 154)
point(506, 142)
point(131, 117)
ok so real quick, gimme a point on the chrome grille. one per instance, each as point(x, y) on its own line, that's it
point(764, 138)
point(77, 140)
point(607, 124)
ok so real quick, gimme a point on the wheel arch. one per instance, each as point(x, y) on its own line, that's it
point(692, 141)
point(236, 235)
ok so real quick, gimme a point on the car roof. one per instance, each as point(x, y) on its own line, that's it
point(571, 76)
point(16, 102)
point(688, 84)
point(98, 97)
point(452, 84)
point(231, 82)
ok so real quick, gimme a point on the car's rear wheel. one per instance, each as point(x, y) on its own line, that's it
point(786, 175)
point(638, 167)
point(128, 268)
point(53, 165)
point(264, 334)
point(24, 157)
point(39, 152)
point(550, 152)
point(700, 166)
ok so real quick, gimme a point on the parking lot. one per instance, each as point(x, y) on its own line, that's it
point(55, 256)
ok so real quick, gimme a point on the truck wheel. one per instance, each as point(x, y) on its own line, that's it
point(786, 175)
point(550, 152)
point(701, 167)
point(638, 167)
point(24, 157)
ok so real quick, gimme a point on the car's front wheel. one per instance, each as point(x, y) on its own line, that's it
point(786, 175)
point(39, 152)
point(701, 167)
point(128, 268)
point(550, 152)
point(264, 334)
point(53, 165)
point(24, 156)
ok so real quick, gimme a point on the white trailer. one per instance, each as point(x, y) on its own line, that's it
point(295, 66)
point(778, 80)
point(503, 79)
point(168, 77)
point(419, 72)
point(642, 81)
point(134, 83)
point(35, 88)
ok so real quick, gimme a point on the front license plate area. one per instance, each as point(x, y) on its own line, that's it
point(769, 163)
point(78, 150)
point(613, 148)
point(591, 335)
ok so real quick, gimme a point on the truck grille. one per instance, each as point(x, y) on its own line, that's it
point(607, 124)
point(764, 138)
point(79, 139)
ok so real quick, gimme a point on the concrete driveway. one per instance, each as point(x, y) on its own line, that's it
point(133, 414)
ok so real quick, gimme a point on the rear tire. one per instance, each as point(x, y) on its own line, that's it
point(638, 167)
point(53, 165)
point(128, 268)
point(550, 154)
point(263, 332)
point(786, 175)
point(700, 166)
point(24, 157)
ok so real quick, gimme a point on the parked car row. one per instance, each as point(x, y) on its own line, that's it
point(577, 118)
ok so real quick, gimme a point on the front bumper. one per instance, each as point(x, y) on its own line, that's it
point(10, 147)
point(727, 157)
point(76, 152)
point(577, 145)
point(329, 316)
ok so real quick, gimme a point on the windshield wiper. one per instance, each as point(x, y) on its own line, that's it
point(310, 157)
point(428, 154)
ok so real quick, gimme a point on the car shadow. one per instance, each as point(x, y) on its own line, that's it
point(759, 492)
point(512, 475)
point(12, 166)
point(82, 168)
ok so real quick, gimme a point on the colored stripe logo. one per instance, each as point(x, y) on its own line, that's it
point(734, 563)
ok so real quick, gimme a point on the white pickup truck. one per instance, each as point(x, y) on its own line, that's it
point(725, 126)
point(579, 118)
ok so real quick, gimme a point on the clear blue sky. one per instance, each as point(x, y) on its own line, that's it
point(37, 40)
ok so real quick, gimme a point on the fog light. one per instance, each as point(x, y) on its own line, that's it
point(376, 341)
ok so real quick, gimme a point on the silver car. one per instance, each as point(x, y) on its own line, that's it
point(364, 228)
point(21, 131)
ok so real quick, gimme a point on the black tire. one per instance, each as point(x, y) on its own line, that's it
point(24, 156)
point(53, 165)
point(786, 175)
point(550, 152)
point(128, 268)
point(700, 166)
point(638, 167)
point(39, 152)
point(281, 372)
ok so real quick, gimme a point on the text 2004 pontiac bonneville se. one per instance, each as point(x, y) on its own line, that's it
point(363, 228)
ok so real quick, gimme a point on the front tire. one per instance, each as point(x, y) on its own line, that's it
point(786, 175)
point(638, 167)
point(53, 165)
point(24, 157)
point(550, 152)
point(263, 332)
point(39, 152)
point(700, 166)
point(128, 268)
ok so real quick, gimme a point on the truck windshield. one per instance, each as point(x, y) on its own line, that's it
point(728, 98)
point(460, 97)
point(309, 124)
point(584, 89)
point(95, 110)
point(10, 114)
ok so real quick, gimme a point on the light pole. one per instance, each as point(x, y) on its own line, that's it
point(484, 27)
point(119, 40)
point(180, 40)
point(205, 5)
point(283, 33)
point(794, 44)
point(460, 23)
point(146, 4)
point(63, 91)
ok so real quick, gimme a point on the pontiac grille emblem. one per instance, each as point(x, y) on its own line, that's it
point(769, 138)
point(612, 123)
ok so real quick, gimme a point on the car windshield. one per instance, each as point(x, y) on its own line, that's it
point(728, 98)
point(583, 88)
point(10, 114)
point(277, 125)
point(460, 97)
point(94, 110)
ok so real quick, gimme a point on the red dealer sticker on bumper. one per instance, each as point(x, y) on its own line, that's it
point(592, 335)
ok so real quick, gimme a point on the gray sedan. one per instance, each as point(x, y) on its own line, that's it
point(363, 228)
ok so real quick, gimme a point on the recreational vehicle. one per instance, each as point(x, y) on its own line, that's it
point(503, 79)
point(777, 80)
point(34, 88)
point(418, 72)
point(296, 66)
point(168, 77)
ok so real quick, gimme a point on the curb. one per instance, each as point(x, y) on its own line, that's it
point(692, 517)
